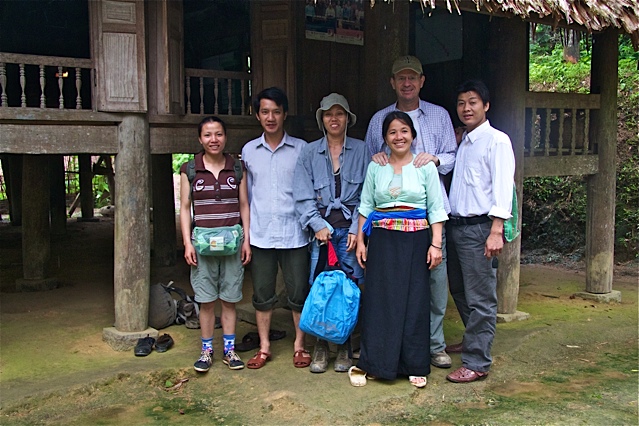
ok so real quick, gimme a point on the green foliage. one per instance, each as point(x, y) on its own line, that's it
point(550, 73)
point(102, 196)
point(554, 213)
point(178, 160)
point(627, 211)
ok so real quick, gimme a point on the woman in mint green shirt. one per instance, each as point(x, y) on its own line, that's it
point(402, 212)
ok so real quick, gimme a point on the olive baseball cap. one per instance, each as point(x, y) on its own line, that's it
point(328, 102)
point(407, 63)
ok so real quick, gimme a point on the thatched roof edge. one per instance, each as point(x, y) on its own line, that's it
point(593, 15)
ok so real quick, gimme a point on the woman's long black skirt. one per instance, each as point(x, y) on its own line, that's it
point(395, 311)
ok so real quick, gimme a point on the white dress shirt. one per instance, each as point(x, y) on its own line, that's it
point(484, 174)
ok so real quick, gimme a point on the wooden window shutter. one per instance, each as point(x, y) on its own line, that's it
point(119, 49)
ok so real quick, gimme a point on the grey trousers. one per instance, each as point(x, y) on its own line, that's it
point(473, 285)
point(438, 300)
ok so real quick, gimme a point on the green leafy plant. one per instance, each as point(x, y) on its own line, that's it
point(178, 160)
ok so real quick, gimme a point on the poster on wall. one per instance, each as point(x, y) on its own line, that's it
point(339, 21)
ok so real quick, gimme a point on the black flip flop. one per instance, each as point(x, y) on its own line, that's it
point(250, 341)
point(163, 343)
point(276, 334)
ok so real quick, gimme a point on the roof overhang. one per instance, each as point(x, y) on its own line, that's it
point(588, 15)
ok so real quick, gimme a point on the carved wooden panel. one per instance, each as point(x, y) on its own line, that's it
point(117, 12)
point(275, 29)
point(120, 67)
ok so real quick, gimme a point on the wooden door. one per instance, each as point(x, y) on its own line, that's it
point(272, 47)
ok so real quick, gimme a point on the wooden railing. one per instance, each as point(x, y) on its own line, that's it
point(217, 92)
point(559, 124)
point(31, 81)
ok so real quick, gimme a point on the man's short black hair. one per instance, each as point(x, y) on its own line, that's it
point(274, 94)
point(477, 86)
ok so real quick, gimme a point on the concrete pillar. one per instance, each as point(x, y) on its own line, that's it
point(36, 242)
point(86, 187)
point(508, 85)
point(132, 260)
point(164, 231)
point(13, 180)
point(58, 204)
point(600, 213)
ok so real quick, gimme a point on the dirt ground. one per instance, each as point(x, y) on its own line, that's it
point(572, 362)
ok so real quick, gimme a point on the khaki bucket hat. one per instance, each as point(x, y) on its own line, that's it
point(328, 102)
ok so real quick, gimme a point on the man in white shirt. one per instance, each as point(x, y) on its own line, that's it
point(480, 202)
point(275, 234)
point(435, 142)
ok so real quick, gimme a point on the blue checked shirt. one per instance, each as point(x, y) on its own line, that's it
point(437, 137)
point(274, 223)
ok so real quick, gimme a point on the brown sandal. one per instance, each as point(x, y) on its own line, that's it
point(302, 358)
point(258, 361)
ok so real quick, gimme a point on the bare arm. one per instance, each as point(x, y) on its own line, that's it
point(186, 220)
point(245, 216)
point(361, 247)
point(434, 255)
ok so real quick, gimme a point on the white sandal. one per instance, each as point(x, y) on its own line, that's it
point(416, 381)
point(357, 376)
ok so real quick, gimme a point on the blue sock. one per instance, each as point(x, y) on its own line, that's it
point(229, 342)
point(207, 344)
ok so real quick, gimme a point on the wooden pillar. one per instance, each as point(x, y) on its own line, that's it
point(600, 212)
point(36, 241)
point(58, 204)
point(508, 85)
point(13, 180)
point(86, 186)
point(132, 234)
point(164, 232)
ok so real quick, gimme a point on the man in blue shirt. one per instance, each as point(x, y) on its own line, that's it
point(276, 236)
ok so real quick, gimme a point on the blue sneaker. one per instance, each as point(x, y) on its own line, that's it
point(203, 364)
point(233, 361)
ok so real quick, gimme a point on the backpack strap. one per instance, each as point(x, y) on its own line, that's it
point(190, 174)
point(237, 168)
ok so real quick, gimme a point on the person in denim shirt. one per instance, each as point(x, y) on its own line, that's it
point(327, 187)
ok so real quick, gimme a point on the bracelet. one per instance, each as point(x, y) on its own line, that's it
point(433, 245)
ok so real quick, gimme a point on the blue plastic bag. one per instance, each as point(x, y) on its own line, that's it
point(331, 308)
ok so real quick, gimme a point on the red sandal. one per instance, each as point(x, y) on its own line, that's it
point(302, 358)
point(258, 361)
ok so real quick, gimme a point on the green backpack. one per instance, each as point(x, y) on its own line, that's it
point(510, 226)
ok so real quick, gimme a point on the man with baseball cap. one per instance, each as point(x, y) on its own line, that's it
point(435, 142)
